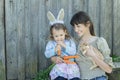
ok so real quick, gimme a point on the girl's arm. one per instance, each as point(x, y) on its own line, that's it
point(50, 50)
point(69, 47)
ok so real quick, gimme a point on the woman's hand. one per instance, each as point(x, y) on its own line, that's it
point(90, 51)
point(93, 52)
point(56, 59)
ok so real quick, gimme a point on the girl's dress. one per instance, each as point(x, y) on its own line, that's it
point(85, 63)
point(68, 71)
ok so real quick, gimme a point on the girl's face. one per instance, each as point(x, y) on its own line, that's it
point(59, 35)
point(81, 29)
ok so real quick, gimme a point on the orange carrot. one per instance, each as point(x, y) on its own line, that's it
point(69, 57)
point(59, 52)
point(66, 58)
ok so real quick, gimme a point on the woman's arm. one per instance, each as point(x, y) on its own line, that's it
point(56, 59)
point(103, 65)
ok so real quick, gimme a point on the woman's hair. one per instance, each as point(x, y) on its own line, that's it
point(59, 26)
point(82, 18)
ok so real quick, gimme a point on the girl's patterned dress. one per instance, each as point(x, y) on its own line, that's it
point(68, 71)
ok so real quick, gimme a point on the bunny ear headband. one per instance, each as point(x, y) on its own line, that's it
point(59, 19)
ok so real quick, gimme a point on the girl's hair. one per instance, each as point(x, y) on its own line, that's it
point(82, 18)
point(59, 26)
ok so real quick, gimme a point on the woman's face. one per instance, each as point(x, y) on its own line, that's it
point(80, 29)
point(58, 35)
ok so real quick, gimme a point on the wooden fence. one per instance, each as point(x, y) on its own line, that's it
point(24, 29)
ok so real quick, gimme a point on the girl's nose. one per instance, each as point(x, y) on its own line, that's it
point(59, 38)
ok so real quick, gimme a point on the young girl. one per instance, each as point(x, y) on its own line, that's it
point(60, 40)
point(83, 26)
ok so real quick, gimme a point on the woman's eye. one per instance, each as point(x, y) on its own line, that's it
point(78, 26)
point(74, 27)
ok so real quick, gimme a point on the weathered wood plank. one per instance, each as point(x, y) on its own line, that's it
point(2, 42)
point(28, 38)
point(116, 27)
point(31, 37)
point(80, 5)
point(93, 11)
point(43, 31)
point(11, 39)
point(106, 21)
point(21, 51)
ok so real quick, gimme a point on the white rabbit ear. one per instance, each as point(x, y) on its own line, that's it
point(61, 15)
point(51, 16)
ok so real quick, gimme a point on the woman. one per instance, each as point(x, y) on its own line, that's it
point(83, 26)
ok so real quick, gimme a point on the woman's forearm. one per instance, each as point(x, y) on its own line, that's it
point(53, 59)
point(104, 66)
point(56, 59)
point(92, 52)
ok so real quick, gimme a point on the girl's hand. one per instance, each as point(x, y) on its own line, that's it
point(56, 59)
point(62, 44)
point(58, 47)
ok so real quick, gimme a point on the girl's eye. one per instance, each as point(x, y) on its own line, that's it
point(61, 35)
point(56, 36)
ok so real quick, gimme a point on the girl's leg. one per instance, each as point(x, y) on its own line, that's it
point(75, 78)
point(60, 78)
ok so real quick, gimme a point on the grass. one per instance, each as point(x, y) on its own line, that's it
point(116, 58)
point(44, 74)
